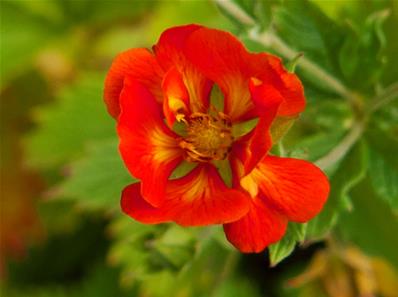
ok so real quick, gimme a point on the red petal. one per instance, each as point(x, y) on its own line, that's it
point(251, 148)
point(176, 98)
point(201, 198)
point(222, 58)
point(139, 209)
point(290, 88)
point(169, 49)
point(149, 149)
point(137, 63)
point(169, 52)
point(256, 230)
point(296, 188)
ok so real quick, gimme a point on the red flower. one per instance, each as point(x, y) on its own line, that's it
point(162, 103)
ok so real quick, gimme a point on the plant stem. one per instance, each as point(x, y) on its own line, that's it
point(236, 12)
point(339, 151)
point(388, 95)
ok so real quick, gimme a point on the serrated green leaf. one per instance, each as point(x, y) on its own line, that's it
point(283, 248)
point(78, 117)
point(96, 181)
point(350, 172)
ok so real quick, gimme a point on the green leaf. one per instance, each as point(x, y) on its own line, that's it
point(384, 179)
point(283, 248)
point(144, 250)
point(66, 126)
point(97, 180)
point(383, 165)
point(304, 27)
point(361, 59)
point(351, 171)
point(175, 247)
point(371, 225)
point(315, 146)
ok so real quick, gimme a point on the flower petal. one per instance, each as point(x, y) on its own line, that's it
point(197, 199)
point(255, 231)
point(169, 49)
point(138, 208)
point(169, 53)
point(201, 198)
point(290, 88)
point(252, 147)
point(139, 64)
point(296, 188)
point(176, 97)
point(222, 58)
point(149, 149)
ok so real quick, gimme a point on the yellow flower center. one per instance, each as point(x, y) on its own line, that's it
point(208, 137)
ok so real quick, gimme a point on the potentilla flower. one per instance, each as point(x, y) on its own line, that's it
point(194, 118)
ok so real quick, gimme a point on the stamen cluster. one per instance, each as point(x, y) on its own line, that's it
point(208, 137)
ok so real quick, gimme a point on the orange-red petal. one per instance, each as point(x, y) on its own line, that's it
point(169, 53)
point(149, 149)
point(139, 64)
point(176, 97)
point(200, 198)
point(259, 228)
point(169, 48)
point(223, 58)
point(251, 148)
point(138, 208)
point(290, 88)
point(296, 188)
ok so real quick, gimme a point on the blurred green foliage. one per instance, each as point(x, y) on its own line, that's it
point(54, 58)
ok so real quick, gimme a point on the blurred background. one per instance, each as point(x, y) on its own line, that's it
point(62, 232)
